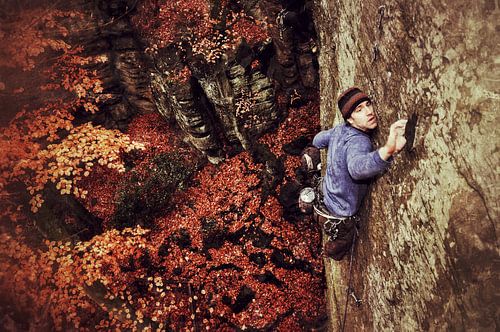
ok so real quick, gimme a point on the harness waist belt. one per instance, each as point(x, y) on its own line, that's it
point(323, 213)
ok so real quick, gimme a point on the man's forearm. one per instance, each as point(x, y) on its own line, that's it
point(366, 166)
point(385, 152)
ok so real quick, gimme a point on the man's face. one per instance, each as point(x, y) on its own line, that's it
point(363, 117)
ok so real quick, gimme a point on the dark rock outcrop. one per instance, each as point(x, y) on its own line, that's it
point(123, 71)
point(231, 101)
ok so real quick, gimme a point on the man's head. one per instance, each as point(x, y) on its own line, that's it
point(356, 108)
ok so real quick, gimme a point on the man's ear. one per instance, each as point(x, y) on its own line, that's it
point(350, 120)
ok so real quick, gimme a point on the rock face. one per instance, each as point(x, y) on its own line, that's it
point(124, 71)
point(427, 256)
point(107, 32)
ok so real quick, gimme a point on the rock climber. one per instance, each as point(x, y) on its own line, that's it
point(351, 163)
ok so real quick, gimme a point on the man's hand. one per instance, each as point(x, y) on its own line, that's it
point(396, 140)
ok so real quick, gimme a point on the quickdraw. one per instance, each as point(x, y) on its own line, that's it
point(331, 228)
point(331, 225)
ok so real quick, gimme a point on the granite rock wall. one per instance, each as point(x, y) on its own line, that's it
point(427, 257)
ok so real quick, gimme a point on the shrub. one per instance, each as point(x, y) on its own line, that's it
point(149, 189)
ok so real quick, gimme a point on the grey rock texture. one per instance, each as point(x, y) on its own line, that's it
point(427, 257)
point(124, 74)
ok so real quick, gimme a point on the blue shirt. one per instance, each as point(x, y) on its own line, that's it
point(350, 164)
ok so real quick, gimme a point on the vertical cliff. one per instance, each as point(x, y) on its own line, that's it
point(223, 96)
point(427, 257)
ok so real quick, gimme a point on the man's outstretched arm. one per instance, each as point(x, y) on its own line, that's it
point(363, 164)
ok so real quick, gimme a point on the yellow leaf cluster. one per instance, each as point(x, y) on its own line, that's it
point(47, 121)
point(58, 278)
point(22, 274)
point(96, 261)
point(74, 77)
point(25, 38)
point(65, 163)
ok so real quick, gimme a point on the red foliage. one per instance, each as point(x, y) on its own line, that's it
point(120, 280)
point(101, 185)
point(49, 147)
point(190, 23)
point(229, 196)
point(34, 32)
point(174, 21)
point(191, 289)
point(301, 121)
point(245, 27)
point(181, 76)
point(157, 134)
point(69, 72)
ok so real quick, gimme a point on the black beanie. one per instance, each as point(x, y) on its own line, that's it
point(349, 100)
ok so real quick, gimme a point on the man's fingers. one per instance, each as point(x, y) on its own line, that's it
point(398, 128)
point(400, 123)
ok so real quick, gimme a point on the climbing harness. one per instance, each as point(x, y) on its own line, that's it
point(331, 228)
point(332, 224)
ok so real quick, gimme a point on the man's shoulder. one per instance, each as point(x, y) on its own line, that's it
point(353, 135)
point(332, 131)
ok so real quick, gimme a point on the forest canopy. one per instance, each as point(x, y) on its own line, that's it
point(110, 218)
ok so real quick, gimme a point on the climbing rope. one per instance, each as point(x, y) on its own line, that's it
point(330, 227)
point(349, 282)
